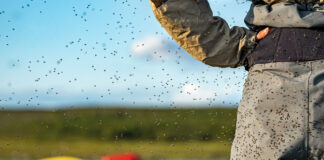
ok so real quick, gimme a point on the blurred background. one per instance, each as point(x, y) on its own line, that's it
point(87, 78)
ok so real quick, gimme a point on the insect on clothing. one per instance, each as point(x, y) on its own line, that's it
point(281, 114)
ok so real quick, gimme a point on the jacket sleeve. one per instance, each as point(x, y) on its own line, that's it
point(208, 39)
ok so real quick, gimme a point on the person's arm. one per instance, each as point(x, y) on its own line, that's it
point(207, 38)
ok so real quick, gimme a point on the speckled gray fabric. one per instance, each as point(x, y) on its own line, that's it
point(286, 14)
point(281, 115)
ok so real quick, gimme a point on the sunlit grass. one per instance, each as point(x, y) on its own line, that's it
point(17, 148)
point(92, 133)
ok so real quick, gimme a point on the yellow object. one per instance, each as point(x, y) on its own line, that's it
point(61, 158)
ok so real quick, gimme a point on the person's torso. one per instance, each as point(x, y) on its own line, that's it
point(289, 45)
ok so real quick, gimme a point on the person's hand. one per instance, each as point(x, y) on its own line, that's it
point(158, 3)
point(263, 33)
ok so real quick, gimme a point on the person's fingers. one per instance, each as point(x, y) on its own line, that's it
point(263, 33)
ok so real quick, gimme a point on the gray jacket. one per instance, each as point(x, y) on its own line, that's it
point(286, 14)
point(209, 39)
point(281, 115)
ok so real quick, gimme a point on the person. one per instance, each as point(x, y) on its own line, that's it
point(281, 114)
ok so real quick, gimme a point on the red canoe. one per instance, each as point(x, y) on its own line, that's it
point(125, 156)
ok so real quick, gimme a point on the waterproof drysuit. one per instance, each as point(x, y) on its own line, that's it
point(281, 114)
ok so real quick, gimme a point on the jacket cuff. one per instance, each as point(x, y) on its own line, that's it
point(247, 45)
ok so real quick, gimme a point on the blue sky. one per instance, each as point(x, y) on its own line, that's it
point(70, 53)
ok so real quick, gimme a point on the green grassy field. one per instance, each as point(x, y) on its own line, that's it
point(91, 133)
point(95, 149)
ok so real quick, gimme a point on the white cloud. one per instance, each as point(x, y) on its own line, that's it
point(192, 93)
point(150, 46)
point(195, 95)
point(156, 47)
point(147, 45)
